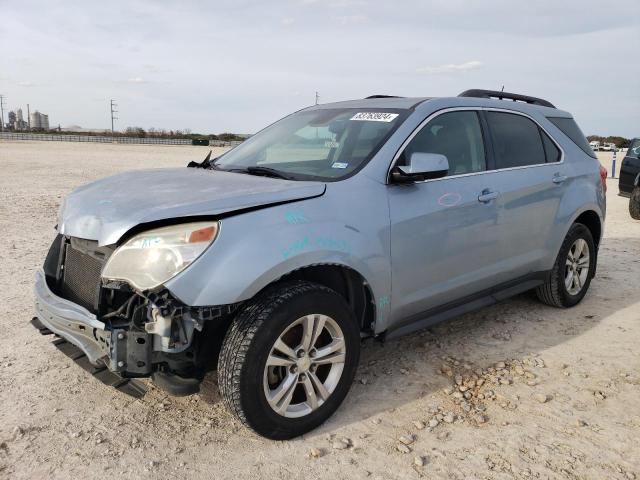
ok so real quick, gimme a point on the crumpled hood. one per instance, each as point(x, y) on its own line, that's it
point(105, 210)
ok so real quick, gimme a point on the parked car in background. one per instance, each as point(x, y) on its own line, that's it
point(366, 218)
point(629, 182)
point(608, 147)
point(595, 145)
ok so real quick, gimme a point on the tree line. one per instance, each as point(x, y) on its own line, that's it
point(139, 132)
point(620, 142)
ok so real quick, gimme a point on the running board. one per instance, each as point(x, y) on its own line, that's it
point(134, 388)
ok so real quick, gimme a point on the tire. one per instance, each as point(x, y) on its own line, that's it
point(634, 203)
point(281, 313)
point(554, 291)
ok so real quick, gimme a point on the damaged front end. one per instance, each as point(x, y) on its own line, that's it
point(132, 333)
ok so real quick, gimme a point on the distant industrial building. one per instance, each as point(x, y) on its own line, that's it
point(39, 120)
point(20, 122)
point(16, 121)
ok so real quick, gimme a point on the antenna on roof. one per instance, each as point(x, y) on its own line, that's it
point(502, 88)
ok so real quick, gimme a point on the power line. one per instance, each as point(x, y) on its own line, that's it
point(113, 112)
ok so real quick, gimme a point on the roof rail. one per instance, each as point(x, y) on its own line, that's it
point(516, 97)
point(382, 96)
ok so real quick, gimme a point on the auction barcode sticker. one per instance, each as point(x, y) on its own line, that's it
point(374, 116)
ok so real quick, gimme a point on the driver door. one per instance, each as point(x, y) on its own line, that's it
point(444, 232)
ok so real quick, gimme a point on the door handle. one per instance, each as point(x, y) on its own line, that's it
point(487, 195)
point(557, 179)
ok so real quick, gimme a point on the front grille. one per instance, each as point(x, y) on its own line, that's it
point(81, 278)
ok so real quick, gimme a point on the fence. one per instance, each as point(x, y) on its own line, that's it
point(105, 139)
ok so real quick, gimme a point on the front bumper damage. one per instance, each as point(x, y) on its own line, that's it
point(71, 321)
point(163, 339)
point(122, 351)
point(81, 336)
point(129, 386)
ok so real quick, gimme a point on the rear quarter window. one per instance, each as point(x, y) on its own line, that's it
point(550, 148)
point(571, 129)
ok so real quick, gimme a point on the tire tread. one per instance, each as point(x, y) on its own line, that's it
point(550, 292)
point(634, 203)
point(240, 336)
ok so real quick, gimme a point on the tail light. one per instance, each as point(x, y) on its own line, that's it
point(603, 178)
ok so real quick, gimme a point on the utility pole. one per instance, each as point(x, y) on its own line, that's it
point(113, 112)
point(317, 98)
point(1, 113)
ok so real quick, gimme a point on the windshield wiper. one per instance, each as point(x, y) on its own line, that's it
point(261, 171)
point(267, 172)
point(206, 163)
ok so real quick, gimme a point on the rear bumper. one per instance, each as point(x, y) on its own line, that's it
point(71, 321)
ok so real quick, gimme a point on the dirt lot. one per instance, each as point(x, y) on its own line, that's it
point(553, 393)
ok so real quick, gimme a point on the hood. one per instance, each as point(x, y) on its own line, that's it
point(105, 210)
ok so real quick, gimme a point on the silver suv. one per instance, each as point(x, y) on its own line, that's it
point(366, 218)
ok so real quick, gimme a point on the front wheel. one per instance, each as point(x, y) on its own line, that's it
point(571, 275)
point(289, 359)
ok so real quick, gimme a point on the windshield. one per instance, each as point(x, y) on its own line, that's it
point(326, 144)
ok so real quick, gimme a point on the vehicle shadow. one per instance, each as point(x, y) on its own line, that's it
point(406, 369)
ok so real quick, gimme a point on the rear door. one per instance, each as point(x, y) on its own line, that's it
point(444, 232)
point(531, 179)
point(630, 167)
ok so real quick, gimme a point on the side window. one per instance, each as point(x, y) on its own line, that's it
point(571, 129)
point(456, 135)
point(550, 149)
point(516, 140)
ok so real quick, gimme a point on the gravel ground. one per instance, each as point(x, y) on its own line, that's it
point(518, 390)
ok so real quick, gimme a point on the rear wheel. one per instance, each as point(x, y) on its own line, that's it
point(634, 203)
point(571, 275)
point(289, 359)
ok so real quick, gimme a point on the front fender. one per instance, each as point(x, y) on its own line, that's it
point(348, 226)
point(313, 258)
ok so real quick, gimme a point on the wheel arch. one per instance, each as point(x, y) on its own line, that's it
point(591, 220)
point(344, 280)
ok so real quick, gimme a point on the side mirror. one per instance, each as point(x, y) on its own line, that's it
point(422, 166)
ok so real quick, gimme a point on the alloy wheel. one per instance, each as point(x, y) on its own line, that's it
point(304, 366)
point(577, 266)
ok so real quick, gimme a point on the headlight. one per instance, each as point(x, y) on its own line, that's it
point(153, 257)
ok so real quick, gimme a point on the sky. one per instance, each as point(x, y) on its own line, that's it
point(221, 66)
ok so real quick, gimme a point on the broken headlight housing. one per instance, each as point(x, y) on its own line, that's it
point(149, 259)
